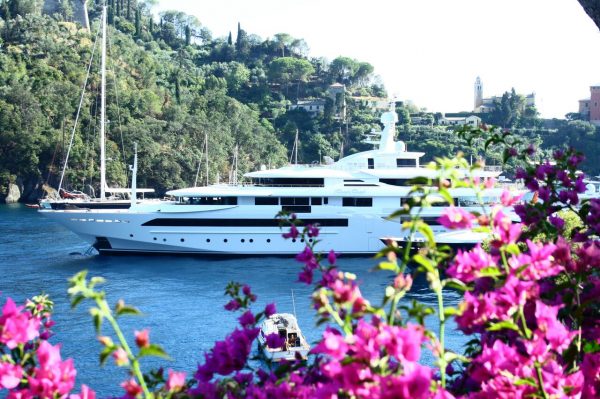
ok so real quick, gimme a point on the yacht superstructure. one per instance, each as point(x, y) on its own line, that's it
point(349, 199)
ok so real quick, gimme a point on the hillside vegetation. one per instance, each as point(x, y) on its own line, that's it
point(171, 84)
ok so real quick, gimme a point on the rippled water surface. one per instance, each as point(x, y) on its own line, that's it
point(181, 297)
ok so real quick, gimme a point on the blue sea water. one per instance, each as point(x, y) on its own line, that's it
point(181, 297)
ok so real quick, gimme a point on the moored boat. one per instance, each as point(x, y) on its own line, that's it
point(285, 326)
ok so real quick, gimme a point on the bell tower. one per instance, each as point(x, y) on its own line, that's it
point(478, 94)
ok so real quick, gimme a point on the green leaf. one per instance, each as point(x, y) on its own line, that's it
point(106, 352)
point(153, 350)
point(456, 284)
point(76, 300)
point(444, 193)
point(526, 381)
point(450, 311)
point(490, 271)
point(391, 266)
point(424, 229)
point(423, 261)
point(503, 325)
point(126, 309)
point(513, 249)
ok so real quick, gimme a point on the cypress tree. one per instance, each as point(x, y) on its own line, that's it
point(188, 35)
point(138, 28)
point(238, 39)
point(129, 10)
point(7, 17)
point(118, 8)
point(229, 39)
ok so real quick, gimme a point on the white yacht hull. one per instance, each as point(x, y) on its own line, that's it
point(124, 231)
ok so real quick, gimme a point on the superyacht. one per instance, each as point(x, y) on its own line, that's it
point(350, 200)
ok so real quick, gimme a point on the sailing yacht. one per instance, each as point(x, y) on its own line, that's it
point(350, 200)
point(62, 199)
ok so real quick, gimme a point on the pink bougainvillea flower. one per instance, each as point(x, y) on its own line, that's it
point(333, 345)
point(17, 327)
point(86, 393)
point(468, 265)
point(121, 358)
point(53, 377)
point(175, 381)
point(270, 309)
point(10, 375)
point(274, 341)
point(509, 199)
point(232, 305)
point(456, 218)
point(331, 257)
point(142, 338)
point(293, 233)
point(247, 319)
point(131, 387)
point(312, 230)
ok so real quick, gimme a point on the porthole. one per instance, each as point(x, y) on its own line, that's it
point(164, 240)
point(310, 240)
point(268, 240)
point(251, 240)
point(302, 240)
point(154, 238)
point(243, 240)
point(208, 240)
point(293, 240)
point(130, 235)
point(182, 240)
point(225, 240)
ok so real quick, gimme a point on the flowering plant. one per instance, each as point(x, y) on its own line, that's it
point(530, 302)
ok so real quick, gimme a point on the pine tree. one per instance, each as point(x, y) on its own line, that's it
point(119, 8)
point(129, 10)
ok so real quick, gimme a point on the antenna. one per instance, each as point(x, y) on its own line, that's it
point(294, 305)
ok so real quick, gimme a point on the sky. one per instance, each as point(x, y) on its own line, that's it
point(431, 51)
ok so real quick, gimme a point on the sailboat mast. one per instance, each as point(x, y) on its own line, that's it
point(206, 154)
point(103, 109)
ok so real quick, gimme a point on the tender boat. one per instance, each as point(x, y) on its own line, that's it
point(286, 326)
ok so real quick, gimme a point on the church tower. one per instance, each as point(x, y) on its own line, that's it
point(478, 94)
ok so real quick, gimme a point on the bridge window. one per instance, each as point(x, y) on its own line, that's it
point(406, 163)
point(266, 201)
point(350, 201)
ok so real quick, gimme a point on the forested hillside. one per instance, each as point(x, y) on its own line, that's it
point(171, 84)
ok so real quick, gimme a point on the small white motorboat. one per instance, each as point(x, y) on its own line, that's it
point(286, 327)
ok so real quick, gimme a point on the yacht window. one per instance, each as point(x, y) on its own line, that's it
point(371, 163)
point(395, 182)
point(325, 200)
point(350, 201)
point(208, 201)
point(316, 201)
point(353, 181)
point(289, 181)
point(405, 163)
point(266, 201)
point(294, 201)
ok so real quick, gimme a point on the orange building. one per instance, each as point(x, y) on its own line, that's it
point(590, 108)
